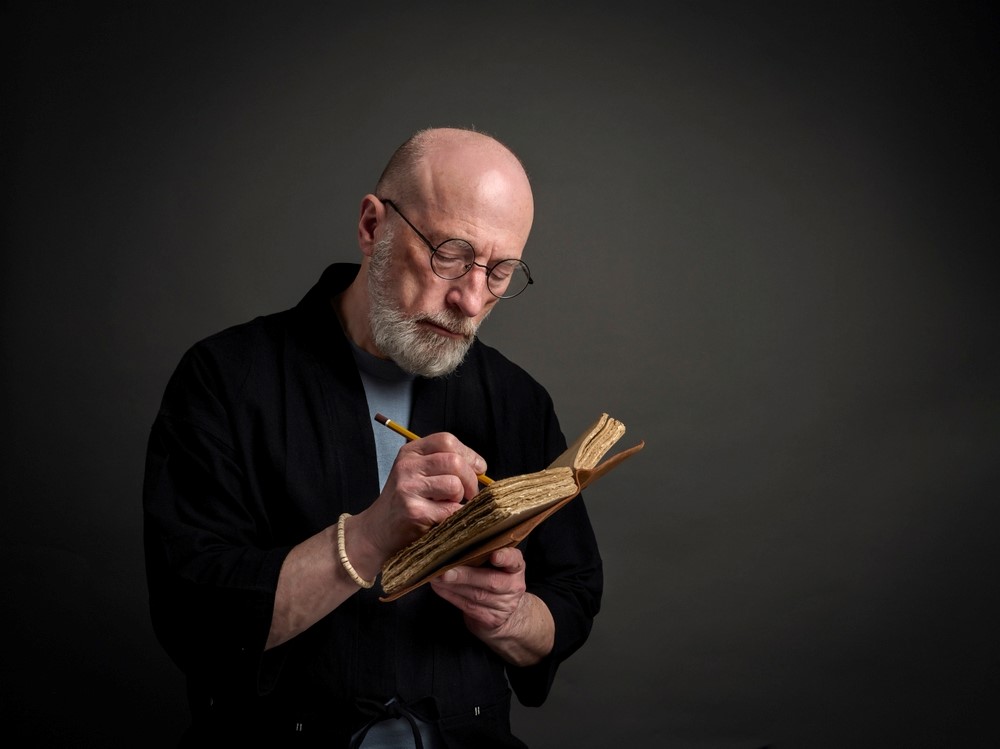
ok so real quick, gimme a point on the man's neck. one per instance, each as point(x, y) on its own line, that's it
point(351, 307)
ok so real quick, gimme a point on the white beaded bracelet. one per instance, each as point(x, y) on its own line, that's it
point(342, 553)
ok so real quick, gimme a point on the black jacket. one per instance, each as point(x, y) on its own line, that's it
point(263, 438)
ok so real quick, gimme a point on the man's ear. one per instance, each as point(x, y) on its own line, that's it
point(372, 214)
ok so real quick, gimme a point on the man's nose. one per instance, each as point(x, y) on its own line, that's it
point(470, 293)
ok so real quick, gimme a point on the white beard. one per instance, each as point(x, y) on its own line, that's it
point(401, 338)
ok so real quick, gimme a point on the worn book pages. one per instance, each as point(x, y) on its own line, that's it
point(504, 512)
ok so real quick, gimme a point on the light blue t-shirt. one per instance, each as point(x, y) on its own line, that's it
point(389, 391)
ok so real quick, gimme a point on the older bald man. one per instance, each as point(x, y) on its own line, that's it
point(271, 502)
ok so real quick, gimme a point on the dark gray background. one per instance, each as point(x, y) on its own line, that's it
point(765, 239)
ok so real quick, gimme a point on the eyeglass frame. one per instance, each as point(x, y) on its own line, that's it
point(469, 266)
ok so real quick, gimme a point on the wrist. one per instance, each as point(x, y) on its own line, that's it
point(356, 555)
point(527, 636)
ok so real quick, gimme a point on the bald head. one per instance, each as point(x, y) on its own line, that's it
point(460, 173)
point(453, 184)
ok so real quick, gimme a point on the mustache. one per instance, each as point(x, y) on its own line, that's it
point(455, 322)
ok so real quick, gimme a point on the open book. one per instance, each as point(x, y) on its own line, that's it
point(504, 512)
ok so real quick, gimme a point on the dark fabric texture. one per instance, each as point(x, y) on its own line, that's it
point(263, 438)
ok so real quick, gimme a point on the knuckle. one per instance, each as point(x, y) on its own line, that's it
point(452, 463)
point(482, 595)
point(453, 488)
point(495, 583)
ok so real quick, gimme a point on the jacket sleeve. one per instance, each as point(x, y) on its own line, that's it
point(211, 572)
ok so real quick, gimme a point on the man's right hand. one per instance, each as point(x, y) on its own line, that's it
point(429, 480)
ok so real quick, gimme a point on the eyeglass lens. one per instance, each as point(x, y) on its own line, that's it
point(456, 257)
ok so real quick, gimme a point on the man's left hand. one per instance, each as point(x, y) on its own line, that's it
point(497, 608)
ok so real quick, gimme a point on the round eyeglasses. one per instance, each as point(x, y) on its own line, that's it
point(453, 258)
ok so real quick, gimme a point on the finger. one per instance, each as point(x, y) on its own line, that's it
point(509, 559)
point(485, 607)
point(482, 583)
point(471, 598)
point(436, 476)
point(487, 616)
point(429, 483)
point(445, 442)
